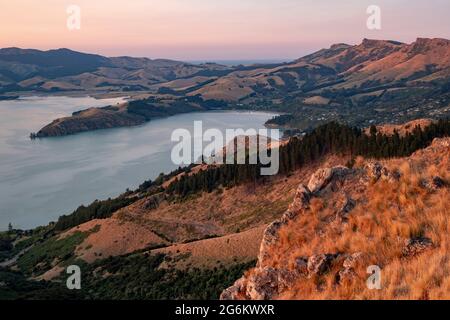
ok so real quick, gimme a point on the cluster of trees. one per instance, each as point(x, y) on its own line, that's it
point(17, 286)
point(139, 277)
point(280, 120)
point(96, 210)
point(136, 277)
point(329, 138)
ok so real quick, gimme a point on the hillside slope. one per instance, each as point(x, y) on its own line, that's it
point(393, 214)
point(67, 70)
point(385, 81)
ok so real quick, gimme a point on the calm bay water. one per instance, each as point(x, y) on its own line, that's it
point(45, 178)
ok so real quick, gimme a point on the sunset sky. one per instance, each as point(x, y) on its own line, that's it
point(213, 29)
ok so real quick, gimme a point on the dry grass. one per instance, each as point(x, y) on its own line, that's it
point(230, 249)
point(386, 215)
point(223, 211)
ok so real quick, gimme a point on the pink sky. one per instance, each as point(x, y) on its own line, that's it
point(211, 29)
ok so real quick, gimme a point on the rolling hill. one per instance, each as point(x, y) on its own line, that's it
point(66, 70)
point(384, 81)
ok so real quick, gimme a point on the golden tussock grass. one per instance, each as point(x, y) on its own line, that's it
point(386, 215)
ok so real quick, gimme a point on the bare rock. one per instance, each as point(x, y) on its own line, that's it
point(391, 176)
point(416, 246)
point(153, 201)
point(352, 260)
point(263, 284)
point(322, 177)
point(347, 204)
point(340, 171)
point(286, 279)
point(320, 263)
point(235, 292)
point(375, 170)
point(271, 234)
point(347, 273)
point(301, 266)
point(301, 199)
point(270, 237)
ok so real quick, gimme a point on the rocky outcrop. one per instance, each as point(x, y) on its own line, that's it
point(301, 200)
point(265, 282)
point(320, 263)
point(377, 171)
point(153, 202)
point(348, 273)
point(415, 246)
point(262, 285)
point(282, 267)
point(322, 177)
point(271, 234)
point(236, 291)
point(346, 206)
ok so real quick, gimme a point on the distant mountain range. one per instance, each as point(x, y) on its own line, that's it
point(67, 70)
point(387, 81)
point(368, 65)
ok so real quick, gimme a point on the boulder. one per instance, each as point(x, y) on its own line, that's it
point(263, 284)
point(352, 260)
point(235, 292)
point(322, 177)
point(416, 246)
point(286, 279)
point(319, 264)
point(377, 171)
point(346, 205)
point(301, 199)
point(270, 237)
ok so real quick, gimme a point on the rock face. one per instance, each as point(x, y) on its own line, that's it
point(347, 205)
